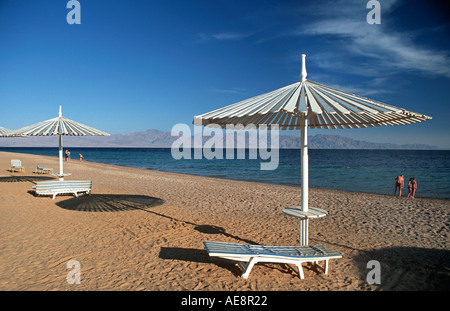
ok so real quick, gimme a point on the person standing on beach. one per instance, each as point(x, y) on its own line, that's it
point(67, 155)
point(413, 187)
point(81, 157)
point(409, 187)
point(399, 183)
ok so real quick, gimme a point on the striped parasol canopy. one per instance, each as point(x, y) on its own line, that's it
point(302, 105)
point(3, 131)
point(57, 126)
point(322, 106)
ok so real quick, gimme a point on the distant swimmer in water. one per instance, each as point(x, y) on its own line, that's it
point(399, 183)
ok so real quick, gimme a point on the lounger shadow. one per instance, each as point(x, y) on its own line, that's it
point(195, 255)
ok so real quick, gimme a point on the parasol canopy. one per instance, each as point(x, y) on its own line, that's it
point(321, 106)
point(3, 131)
point(57, 126)
point(308, 104)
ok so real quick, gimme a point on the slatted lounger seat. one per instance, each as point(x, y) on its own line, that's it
point(63, 187)
point(43, 170)
point(248, 255)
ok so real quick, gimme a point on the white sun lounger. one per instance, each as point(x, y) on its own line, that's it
point(62, 187)
point(43, 169)
point(248, 255)
point(16, 165)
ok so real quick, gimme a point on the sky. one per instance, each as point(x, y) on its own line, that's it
point(135, 65)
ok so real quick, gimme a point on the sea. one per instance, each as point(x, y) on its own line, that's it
point(359, 170)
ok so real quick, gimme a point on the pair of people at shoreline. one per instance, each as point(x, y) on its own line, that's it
point(400, 183)
point(68, 155)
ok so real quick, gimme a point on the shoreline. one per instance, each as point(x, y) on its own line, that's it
point(156, 147)
point(144, 230)
point(405, 189)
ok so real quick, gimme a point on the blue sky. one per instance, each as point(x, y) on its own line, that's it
point(136, 65)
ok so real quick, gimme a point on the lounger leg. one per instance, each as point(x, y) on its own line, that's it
point(249, 267)
point(300, 271)
point(326, 266)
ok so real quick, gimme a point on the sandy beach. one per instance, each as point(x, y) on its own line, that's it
point(144, 230)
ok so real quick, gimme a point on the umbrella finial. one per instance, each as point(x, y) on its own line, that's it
point(303, 73)
point(60, 113)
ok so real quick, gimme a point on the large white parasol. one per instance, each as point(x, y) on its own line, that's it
point(308, 104)
point(57, 126)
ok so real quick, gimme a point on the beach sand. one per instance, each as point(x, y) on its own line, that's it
point(144, 230)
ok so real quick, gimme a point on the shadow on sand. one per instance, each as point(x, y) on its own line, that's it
point(32, 179)
point(109, 203)
point(127, 202)
point(199, 256)
point(408, 268)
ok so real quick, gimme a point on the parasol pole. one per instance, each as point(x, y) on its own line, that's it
point(304, 185)
point(61, 176)
point(304, 166)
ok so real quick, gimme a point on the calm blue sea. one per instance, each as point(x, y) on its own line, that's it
point(352, 170)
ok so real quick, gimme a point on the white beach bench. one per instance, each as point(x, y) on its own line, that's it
point(62, 187)
point(248, 255)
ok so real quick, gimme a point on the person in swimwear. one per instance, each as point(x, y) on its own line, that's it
point(413, 187)
point(410, 187)
point(399, 183)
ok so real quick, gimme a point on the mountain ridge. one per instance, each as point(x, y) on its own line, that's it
point(154, 138)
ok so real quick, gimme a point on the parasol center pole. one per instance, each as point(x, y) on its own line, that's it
point(304, 231)
point(304, 163)
point(303, 73)
point(61, 176)
point(305, 186)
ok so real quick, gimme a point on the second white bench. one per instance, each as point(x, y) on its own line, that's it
point(63, 187)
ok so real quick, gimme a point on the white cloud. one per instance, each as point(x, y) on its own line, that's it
point(229, 90)
point(223, 36)
point(390, 49)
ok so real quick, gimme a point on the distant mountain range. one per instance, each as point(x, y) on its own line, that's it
point(156, 138)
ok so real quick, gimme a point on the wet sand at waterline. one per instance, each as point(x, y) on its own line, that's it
point(144, 230)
